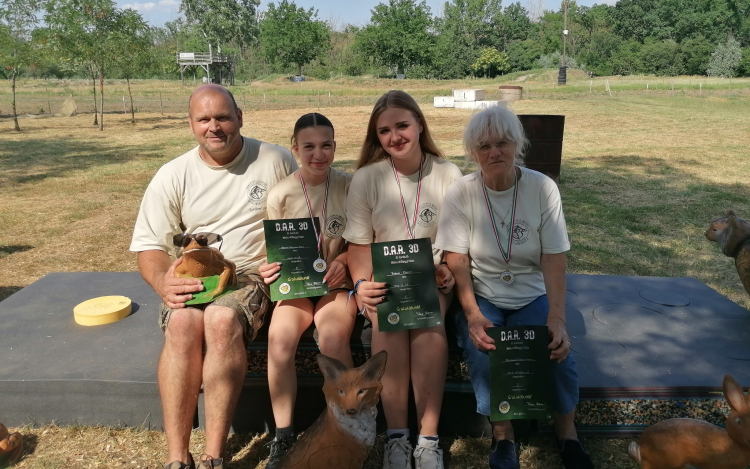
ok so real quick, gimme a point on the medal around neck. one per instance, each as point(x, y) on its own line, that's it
point(294, 243)
point(507, 277)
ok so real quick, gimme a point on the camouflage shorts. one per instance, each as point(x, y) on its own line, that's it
point(250, 302)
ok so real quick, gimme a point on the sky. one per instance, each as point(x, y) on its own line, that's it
point(338, 12)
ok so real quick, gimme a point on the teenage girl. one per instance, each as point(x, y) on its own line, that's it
point(315, 190)
point(396, 194)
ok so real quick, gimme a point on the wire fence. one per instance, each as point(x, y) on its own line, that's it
point(175, 101)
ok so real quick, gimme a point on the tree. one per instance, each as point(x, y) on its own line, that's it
point(131, 35)
point(697, 53)
point(662, 58)
point(523, 54)
point(17, 22)
point(397, 35)
point(491, 62)
point(725, 59)
point(224, 21)
point(293, 36)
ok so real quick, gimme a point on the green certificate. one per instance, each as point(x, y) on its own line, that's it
point(521, 379)
point(407, 268)
point(293, 243)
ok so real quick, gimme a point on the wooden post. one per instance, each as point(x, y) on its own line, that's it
point(124, 109)
point(264, 100)
point(161, 104)
point(700, 89)
point(318, 100)
point(591, 84)
point(329, 98)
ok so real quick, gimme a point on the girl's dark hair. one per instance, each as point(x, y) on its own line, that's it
point(312, 119)
point(372, 151)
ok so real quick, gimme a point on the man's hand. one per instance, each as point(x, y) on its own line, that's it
point(444, 278)
point(269, 272)
point(175, 291)
point(560, 342)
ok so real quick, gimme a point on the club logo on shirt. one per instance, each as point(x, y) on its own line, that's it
point(428, 215)
point(334, 226)
point(520, 232)
point(256, 192)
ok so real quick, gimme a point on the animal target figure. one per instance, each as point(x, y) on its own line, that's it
point(344, 434)
point(691, 443)
point(733, 235)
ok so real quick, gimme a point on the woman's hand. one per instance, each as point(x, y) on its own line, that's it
point(370, 295)
point(269, 272)
point(336, 273)
point(444, 278)
point(560, 342)
point(478, 325)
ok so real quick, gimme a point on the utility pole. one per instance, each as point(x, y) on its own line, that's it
point(562, 76)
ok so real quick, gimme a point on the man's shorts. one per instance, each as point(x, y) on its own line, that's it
point(250, 302)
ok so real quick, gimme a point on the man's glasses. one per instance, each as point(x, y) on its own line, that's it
point(203, 239)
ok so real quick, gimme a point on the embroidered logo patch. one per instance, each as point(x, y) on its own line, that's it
point(520, 232)
point(334, 226)
point(428, 215)
point(256, 192)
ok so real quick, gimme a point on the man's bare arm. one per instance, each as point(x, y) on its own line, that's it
point(158, 271)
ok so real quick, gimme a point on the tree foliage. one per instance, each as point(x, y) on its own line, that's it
point(397, 35)
point(491, 63)
point(17, 22)
point(725, 59)
point(223, 22)
point(292, 35)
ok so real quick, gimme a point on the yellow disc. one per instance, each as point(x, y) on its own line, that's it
point(102, 310)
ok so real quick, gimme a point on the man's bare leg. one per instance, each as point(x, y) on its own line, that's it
point(224, 368)
point(179, 375)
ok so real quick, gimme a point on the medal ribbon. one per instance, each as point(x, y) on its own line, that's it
point(318, 236)
point(416, 203)
point(506, 257)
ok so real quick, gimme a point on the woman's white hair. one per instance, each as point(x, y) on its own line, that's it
point(491, 125)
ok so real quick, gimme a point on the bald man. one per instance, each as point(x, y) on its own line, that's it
point(218, 187)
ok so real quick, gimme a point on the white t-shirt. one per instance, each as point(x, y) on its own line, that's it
point(228, 200)
point(287, 200)
point(539, 228)
point(374, 210)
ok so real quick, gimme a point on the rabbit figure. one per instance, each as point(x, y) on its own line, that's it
point(690, 443)
point(733, 235)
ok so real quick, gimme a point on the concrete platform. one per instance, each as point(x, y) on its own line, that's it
point(633, 338)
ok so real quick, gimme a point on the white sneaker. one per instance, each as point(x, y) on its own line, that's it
point(428, 455)
point(397, 453)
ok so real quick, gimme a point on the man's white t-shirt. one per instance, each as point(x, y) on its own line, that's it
point(539, 228)
point(189, 196)
point(374, 212)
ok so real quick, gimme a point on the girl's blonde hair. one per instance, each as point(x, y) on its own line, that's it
point(372, 151)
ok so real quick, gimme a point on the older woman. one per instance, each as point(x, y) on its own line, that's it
point(504, 234)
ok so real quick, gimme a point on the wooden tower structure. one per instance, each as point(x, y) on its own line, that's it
point(219, 67)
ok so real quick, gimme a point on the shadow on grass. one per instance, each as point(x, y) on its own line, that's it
point(6, 251)
point(30, 443)
point(21, 161)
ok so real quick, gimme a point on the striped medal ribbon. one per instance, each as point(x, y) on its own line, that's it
point(403, 204)
point(319, 265)
point(506, 277)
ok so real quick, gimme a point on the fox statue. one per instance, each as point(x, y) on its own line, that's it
point(733, 235)
point(344, 434)
point(11, 446)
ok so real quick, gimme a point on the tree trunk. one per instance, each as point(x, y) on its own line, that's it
point(13, 86)
point(96, 105)
point(101, 92)
point(132, 112)
point(299, 70)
